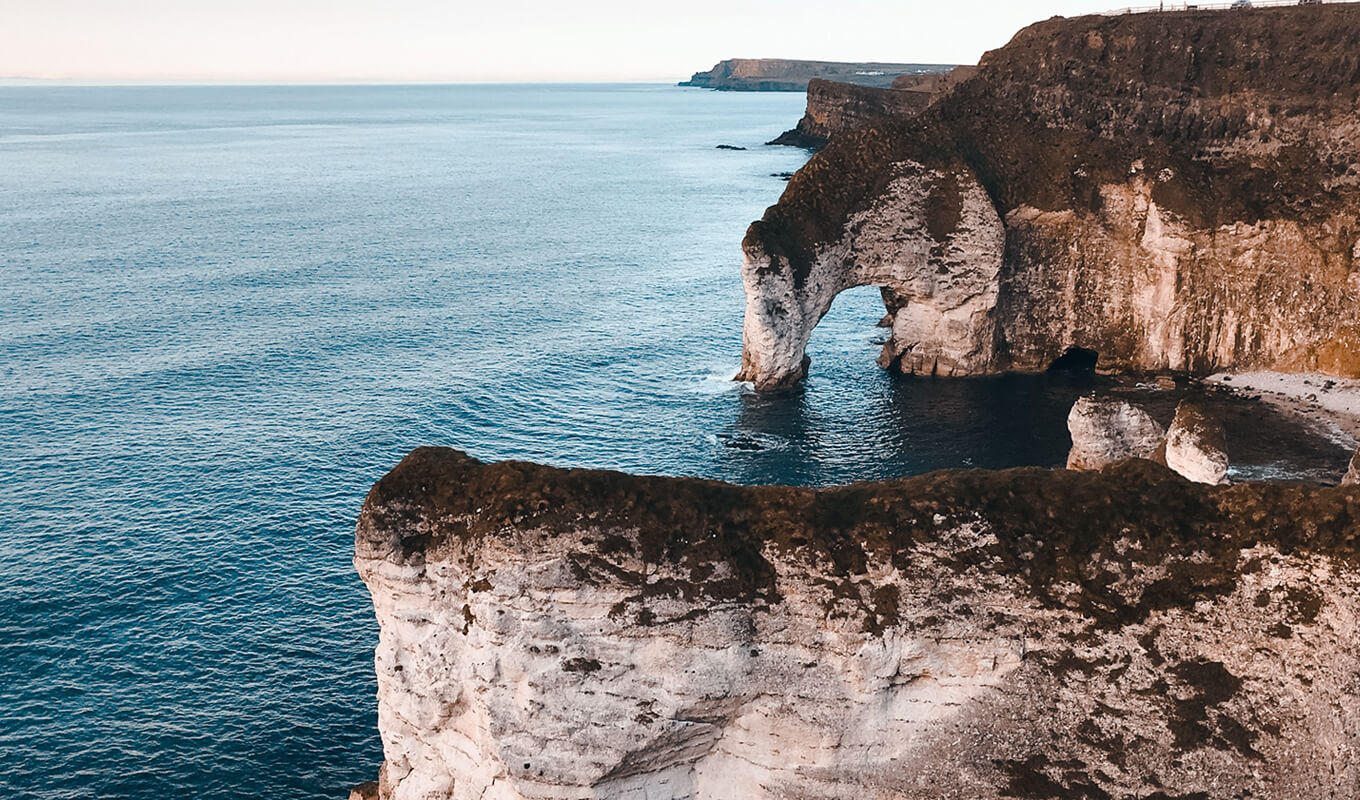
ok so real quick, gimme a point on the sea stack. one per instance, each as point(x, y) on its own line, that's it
point(1196, 445)
point(1177, 193)
point(1105, 431)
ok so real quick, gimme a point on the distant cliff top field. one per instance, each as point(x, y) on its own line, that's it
point(785, 75)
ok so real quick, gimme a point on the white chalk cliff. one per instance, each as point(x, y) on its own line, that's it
point(1175, 193)
point(1035, 634)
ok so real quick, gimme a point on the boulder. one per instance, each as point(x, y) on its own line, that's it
point(1108, 430)
point(1195, 445)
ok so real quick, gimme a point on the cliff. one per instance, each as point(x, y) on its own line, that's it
point(1175, 192)
point(553, 633)
point(787, 75)
point(838, 107)
point(834, 108)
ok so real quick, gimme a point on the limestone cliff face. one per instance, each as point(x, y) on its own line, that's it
point(792, 75)
point(1177, 192)
point(555, 633)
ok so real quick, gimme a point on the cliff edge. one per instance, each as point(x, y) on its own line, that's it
point(834, 107)
point(1175, 192)
point(551, 633)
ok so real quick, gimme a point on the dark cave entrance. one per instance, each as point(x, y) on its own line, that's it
point(1076, 360)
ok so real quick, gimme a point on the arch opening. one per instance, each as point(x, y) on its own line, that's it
point(856, 321)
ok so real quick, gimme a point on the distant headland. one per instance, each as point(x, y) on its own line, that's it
point(787, 75)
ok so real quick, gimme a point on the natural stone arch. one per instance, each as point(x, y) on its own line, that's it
point(931, 241)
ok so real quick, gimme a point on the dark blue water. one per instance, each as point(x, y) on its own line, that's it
point(226, 311)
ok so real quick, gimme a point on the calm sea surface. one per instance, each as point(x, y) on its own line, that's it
point(226, 311)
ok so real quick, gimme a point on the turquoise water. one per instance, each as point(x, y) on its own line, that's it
point(227, 311)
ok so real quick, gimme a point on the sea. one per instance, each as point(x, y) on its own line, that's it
point(226, 311)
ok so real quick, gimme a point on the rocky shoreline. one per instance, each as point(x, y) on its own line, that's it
point(1149, 195)
point(1329, 403)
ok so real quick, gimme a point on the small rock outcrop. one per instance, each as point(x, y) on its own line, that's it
point(1029, 633)
point(1196, 445)
point(1353, 474)
point(1175, 192)
point(791, 75)
point(1105, 431)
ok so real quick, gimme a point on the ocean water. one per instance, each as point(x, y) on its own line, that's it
point(226, 311)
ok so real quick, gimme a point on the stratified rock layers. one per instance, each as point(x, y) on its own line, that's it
point(555, 633)
point(1177, 192)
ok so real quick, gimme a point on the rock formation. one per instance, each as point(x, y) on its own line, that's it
point(1030, 633)
point(1353, 474)
point(834, 108)
point(788, 75)
point(1195, 445)
point(1106, 431)
point(838, 107)
point(1176, 192)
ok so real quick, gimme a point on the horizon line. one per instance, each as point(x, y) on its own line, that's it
point(14, 80)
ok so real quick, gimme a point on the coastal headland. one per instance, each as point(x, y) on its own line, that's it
point(792, 75)
point(1167, 193)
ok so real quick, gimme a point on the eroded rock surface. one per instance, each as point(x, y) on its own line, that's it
point(935, 239)
point(1176, 192)
point(1029, 633)
point(1105, 431)
point(1352, 476)
point(1196, 445)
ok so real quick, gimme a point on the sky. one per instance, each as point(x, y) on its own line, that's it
point(487, 40)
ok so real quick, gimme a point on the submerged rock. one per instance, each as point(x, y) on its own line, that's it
point(551, 633)
point(1195, 445)
point(1106, 431)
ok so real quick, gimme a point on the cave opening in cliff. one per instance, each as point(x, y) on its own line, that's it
point(1077, 360)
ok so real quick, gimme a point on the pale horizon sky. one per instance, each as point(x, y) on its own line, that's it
point(530, 40)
